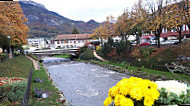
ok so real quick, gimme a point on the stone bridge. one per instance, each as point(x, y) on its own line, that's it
point(44, 53)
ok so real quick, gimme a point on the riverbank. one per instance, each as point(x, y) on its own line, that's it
point(49, 94)
point(141, 72)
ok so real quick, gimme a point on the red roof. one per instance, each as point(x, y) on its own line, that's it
point(72, 36)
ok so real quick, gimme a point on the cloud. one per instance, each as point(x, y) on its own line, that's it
point(87, 9)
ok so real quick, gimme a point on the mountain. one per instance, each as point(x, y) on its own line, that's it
point(45, 23)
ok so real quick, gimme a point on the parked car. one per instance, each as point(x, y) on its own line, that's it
point(169, 42)
point(144, 44)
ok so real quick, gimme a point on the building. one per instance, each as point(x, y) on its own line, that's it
point(169, 34)
point(71, 40)
point(39, 43)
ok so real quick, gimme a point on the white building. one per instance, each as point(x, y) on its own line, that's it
point(71, 40)
point(39, 43)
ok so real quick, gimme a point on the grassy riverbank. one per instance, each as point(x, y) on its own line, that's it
point(16, 67)
point(46, 86)
point(168, 75)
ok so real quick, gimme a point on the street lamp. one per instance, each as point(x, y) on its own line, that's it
point(10, 51)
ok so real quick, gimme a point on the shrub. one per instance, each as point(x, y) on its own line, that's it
point(3, 57)
point(123, 47)
point(106, 49)
point(16, 53)
point(87, 55)
point(12, 89)
point(146, 51)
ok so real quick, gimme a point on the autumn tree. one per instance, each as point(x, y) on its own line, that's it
point(106, 30)
point(123, 25)
point(186, 11)
point(139, 18)
point(176, 18)
point(157, 19)
point(12, 24)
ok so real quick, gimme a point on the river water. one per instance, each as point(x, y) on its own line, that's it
point(83, 84)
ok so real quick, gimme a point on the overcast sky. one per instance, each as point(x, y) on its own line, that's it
point(86, 10)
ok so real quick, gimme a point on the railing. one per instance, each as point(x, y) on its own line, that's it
point(27, 93)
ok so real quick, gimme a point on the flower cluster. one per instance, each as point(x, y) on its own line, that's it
point(132, 89)
point(173, 86)
point(6, 80)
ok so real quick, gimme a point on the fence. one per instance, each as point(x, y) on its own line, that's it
point(27, 93)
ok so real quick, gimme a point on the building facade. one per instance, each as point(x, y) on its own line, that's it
point(71, 40)
point(39, 43)
point(169, 34)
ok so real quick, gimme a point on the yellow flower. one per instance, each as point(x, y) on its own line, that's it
point(107, 101)
point(121, 100)
point(137, 89)
point(148, 101)
point(113, 91)
point(151, 93)
point(123, 81)
point(137, 93)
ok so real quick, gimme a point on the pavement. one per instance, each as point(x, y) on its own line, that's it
point(98, 57)
point(35, 63)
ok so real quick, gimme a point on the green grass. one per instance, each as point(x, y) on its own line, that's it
point(16, 67)
point(169, 75)
point(62, 56)
point(34, 57)
point(45, 86)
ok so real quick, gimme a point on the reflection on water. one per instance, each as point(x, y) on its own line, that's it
point(84, 84)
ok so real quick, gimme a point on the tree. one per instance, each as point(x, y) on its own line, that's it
point(75, 31)
point(186, 11)
point(12, 24)
point(157, 19)
point(176, 18)
point(139, 18)
point(123, 25)
point(106, 30)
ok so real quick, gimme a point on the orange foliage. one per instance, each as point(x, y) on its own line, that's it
point(12, 22)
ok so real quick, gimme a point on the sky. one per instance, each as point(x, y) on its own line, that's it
point(85, 10)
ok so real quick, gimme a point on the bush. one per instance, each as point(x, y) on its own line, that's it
point(3, 57)
point(13, 89)
point(123, 47)
point(107, 47)
point(87, 55)
point(146, 51)
point(16, 53)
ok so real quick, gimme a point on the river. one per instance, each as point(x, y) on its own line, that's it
point(83, 84)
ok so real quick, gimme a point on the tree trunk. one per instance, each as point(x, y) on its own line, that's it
point(159, 41)
point(188, 27)
point(101, 41)
point(180, 37)
point(3, 49)
point(138, 39)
